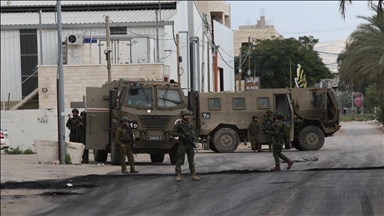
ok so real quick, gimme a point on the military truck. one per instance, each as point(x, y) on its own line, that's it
point(222, 118)
point(152, 108)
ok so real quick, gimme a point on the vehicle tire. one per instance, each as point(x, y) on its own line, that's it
point(115, 153)
point(157, 158)
point(173, 154)
point(295, 144)
point(311, 138)
point(100, 155)
point(287, 144)
point(225, 140)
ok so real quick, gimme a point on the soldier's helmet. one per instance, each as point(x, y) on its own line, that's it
point(254, 117)
point(83, 113)
point(279, 116)
point(124, 119)
point(75, 111)
point(184, 112)
point(269, 111)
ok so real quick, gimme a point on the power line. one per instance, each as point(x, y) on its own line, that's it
point(328, 53)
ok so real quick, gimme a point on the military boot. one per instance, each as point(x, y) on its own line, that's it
point(194, 177)
point(124, 171)
point(133, 170)
point(276, 168)
point(253, 149)
point(289, 164)
point(259, 148)
point(178, 177)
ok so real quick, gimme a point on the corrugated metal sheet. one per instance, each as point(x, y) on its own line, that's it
point(85, 17)
point(79, 2)
point(10, 65)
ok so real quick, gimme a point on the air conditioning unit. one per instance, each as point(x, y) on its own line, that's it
point(75, 40)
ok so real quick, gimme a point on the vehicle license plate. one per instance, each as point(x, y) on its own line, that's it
point(155, 138)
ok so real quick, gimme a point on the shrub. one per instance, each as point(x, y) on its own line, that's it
point(68, 159)
point(11, 150)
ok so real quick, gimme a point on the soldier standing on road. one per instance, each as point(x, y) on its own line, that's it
point(277, 131)
point(73, 124)
point(124, 139)
point(82, 133)
point(253, 130)
point(182, 129)
point(269, 120)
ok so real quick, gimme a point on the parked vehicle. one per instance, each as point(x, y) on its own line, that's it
point(4, 138)
point(221, 118)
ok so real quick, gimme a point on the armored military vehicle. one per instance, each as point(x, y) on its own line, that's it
point(222, 118)
point(152, 108)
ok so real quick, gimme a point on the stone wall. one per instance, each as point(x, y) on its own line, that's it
point(26, 126)
point(78, 77)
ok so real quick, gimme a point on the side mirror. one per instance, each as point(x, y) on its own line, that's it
point(112, 98)
point(192, 97)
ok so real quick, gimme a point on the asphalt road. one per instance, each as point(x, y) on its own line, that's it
point(346, 179)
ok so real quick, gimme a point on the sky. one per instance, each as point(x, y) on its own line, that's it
point(320, 19)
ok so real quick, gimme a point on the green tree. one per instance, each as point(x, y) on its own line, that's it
point(271, 60)
point(343, 7)
point(362, 61)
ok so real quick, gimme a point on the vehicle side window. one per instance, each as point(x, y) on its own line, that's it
point(263, 102)
point(214, 103)
point(238, 103)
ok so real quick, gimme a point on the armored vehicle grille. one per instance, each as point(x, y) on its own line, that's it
point(154, 122)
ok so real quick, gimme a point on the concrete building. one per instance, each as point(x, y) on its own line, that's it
point(259, 31)
point(136, 38)
point(219, 11)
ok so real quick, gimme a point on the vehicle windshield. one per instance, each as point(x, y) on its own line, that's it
point(140, 97)
point(169, 98)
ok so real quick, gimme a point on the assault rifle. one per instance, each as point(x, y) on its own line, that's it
point(189, 138)
point(267, 125)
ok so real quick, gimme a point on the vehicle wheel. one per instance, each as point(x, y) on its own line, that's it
point(115, 153)
point(157, 158)
point(225, 140)
point(295, 144)
point(288, 144)
point(311, 138)
point(173, 154)
point(100, 155)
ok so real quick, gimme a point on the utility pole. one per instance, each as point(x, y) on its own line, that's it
point(108, 51)
point(203, 53)
point(178, 57)
point(60, 93)
point(208, 71)
point(157, 37)
point(290, 74)
point(240, 70)
point(249, 56)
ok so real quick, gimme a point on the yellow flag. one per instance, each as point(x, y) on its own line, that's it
point(301, 79)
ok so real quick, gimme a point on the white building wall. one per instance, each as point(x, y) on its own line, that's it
point(224, 39)
point(10, 65)
point(181, 26)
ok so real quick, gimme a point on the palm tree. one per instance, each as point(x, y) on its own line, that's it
point(343, 7)
point(362, 61)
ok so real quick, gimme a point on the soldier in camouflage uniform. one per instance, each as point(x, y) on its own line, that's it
point(82, 134)
point(268, 122)
point(182, 129)
point(253, 130)
point(277, 131)
point(124, 139)
point(73, 124)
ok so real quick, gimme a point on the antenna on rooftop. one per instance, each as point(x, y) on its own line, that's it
point(262, 12)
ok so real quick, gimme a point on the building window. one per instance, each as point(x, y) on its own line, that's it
point(238, 103)
point(214, 103)
point(263, 102)
point(29, 61)
point(120, 30)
